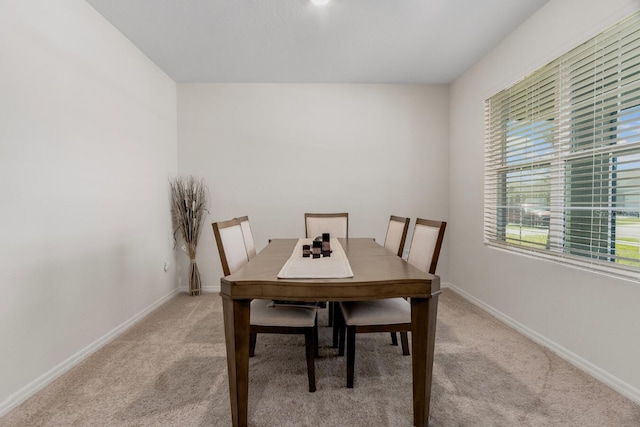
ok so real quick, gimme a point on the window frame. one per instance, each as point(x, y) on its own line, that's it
point(556, 93)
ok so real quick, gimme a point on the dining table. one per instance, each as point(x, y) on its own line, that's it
point(377, 273)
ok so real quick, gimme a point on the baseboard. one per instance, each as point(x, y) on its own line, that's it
point(39, 383)
point(625, 389)
point(206, 289)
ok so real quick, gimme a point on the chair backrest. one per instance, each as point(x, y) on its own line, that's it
point(396, 234)
point(248, 236)
point(336, 224)
point(230, 241)
point(426, 244)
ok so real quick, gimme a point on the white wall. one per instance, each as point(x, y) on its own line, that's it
point(588, 318)
point(88, 139)
point(274, 152)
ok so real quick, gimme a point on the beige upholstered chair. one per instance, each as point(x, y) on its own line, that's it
point(393, 314)
point(248, 236)
point(336, 224)
point(394, 241)
point(264, 318)
point(231, 247)
point(396, 234)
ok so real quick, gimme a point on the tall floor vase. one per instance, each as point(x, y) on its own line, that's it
point(195, 284)
point(189, 208)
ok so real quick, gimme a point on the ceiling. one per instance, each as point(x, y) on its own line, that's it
point(293, 41)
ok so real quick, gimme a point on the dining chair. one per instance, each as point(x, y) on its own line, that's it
point(392, 314)
point(248, 236)
point(394, 241)
point(396, 234)
point(264, 317)
point(337, 225)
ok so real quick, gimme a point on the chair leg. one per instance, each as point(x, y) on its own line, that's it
point(394, 338)
point(340, 327)
point(351, 354)
point(252, 344)
point(316, 351)
point(338, 323)
point(331, 313)
point(310, 350)
point(405, 343)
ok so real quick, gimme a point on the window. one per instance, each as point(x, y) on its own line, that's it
point(562, 157)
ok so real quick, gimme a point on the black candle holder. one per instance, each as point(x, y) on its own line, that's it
point(326, 244)
point(317, 249)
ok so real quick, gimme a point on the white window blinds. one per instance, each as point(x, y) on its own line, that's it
point(562, 157)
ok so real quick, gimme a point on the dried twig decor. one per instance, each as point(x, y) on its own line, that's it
point(189, 208)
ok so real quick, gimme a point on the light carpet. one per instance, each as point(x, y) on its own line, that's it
point(170, 370)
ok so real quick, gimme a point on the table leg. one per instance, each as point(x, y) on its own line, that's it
point(236, 332)
point(423, 325)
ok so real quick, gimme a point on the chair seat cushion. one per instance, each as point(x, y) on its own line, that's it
point(263, 314)
point(389, 311)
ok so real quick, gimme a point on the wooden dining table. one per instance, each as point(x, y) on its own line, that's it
point(377, 273)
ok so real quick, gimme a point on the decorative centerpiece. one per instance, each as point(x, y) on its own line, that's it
point(189, 206)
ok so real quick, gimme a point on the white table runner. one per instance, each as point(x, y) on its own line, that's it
point(334, 267)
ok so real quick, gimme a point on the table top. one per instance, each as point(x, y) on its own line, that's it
point(377, 273)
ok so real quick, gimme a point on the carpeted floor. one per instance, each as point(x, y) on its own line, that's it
point(170, 370)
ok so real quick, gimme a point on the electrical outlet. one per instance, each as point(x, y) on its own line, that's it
point(166, 266)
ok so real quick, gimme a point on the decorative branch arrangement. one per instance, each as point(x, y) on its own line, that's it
point(189, 208)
